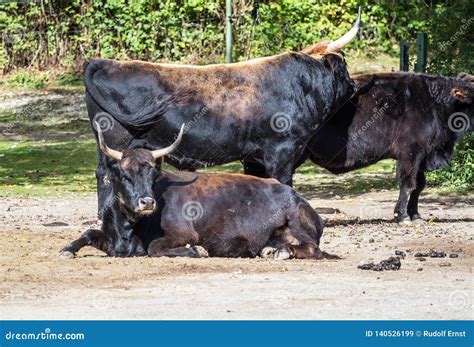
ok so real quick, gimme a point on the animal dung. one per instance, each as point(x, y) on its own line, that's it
point(390, 264)
point(400, 253)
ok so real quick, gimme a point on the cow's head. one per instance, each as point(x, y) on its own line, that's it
point(330, 53)
point(133, 173)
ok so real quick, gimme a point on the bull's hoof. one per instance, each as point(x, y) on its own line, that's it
point(200, 252)
point(66, 254)
point(267, 252)
point(282, 254)
point(403, 220)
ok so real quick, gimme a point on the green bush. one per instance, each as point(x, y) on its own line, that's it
point(54, 33)
point(460, 174)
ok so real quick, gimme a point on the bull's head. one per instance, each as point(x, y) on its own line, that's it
point(134, 171)
point(330, 53)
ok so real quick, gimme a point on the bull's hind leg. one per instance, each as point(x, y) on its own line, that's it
point(306, 227)
point(407, 173)
point(413, 202)
point(92, 237)
point(305, 250)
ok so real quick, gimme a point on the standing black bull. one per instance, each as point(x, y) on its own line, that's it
point(415, 119)
point(261, 111)
point(160, 213)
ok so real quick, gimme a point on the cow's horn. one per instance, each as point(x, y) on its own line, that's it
point(158, 153)
point(111, 153)
point(339, 44)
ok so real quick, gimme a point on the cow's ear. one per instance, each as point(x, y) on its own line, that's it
point(462, 94)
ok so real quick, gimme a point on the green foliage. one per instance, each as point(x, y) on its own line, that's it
point(54, 33)
point(461, 172)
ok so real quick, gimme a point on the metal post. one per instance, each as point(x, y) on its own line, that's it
point(228, 31)
point(421, 52)
point(404, 57)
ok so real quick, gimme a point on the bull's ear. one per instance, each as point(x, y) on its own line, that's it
point(335, 61)
point(462, 94)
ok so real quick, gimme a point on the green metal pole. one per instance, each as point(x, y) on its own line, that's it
point(421, 52)
point(404, 57)
point(228, 31)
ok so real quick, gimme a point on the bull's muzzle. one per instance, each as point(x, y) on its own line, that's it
point(146, 205)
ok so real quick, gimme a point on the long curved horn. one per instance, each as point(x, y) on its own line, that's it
point(339, 44)
point(111, 153)
point(158, 153)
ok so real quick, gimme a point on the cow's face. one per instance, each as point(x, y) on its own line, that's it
point(134, 172)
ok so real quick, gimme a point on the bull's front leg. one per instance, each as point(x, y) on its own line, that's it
point(104, 187)
point(279, 164)
point(177, 244)
point(92, 237)
point(254, 169)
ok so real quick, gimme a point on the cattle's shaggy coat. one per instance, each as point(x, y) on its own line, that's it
point(415, 119)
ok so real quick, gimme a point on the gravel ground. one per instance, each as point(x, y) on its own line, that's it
point(39, 285)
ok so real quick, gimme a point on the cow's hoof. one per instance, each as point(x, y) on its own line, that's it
point(267, 252)
point(200, 252)
point(66, 255)
point(282, 254)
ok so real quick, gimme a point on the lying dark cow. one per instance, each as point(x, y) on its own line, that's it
point(415, 119)
point(160, 213)
point(261, 111)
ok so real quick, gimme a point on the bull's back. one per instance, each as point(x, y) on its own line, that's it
point(386, 118)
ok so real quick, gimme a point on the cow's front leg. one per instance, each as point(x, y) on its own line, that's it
point(92, 237)
point(406, 172)
point(412, 208)
point(181, 244)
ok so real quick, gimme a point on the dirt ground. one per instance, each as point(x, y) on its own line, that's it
point(36, 284)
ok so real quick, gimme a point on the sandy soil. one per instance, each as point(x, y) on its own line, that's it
point(36, 284)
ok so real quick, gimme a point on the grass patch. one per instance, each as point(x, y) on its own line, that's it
point(40, 168)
